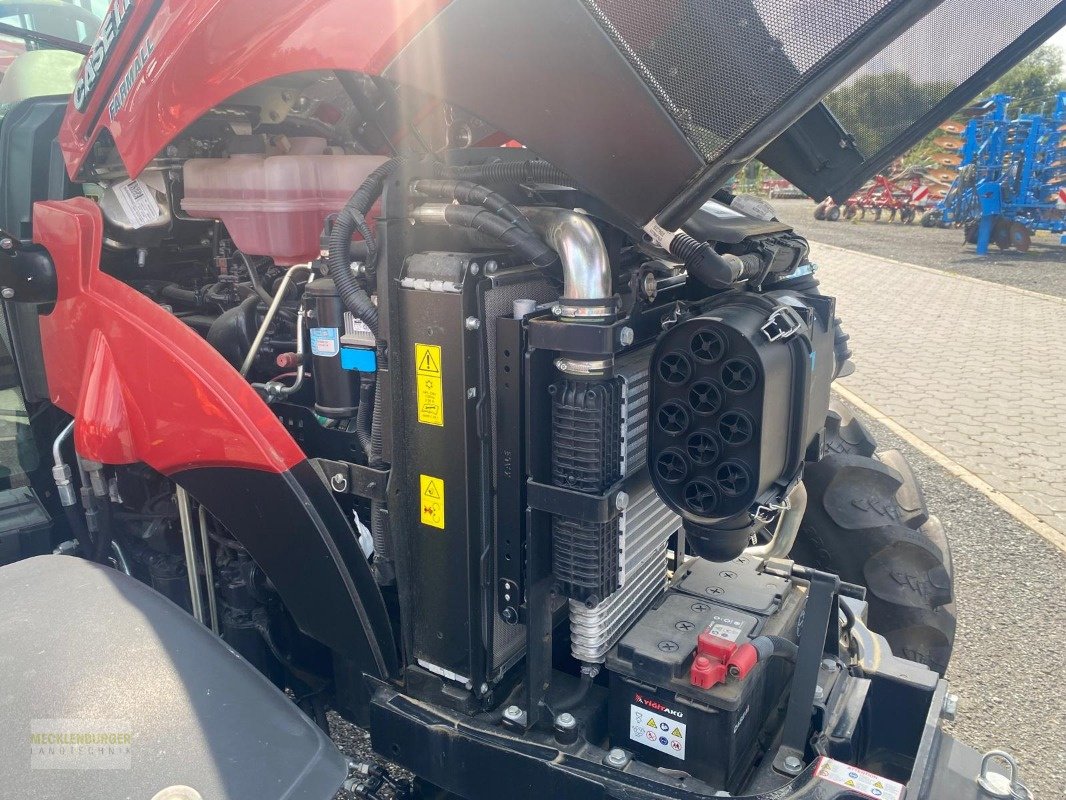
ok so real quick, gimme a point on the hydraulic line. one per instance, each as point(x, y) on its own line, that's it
point(473, 194)
point(529, 246)
point(185, 517)
point(253, 351)
point(209, 570)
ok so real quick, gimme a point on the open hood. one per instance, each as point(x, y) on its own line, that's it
point(651, 105)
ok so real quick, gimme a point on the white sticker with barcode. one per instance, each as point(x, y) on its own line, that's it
point(858, 781)
point(138, 202)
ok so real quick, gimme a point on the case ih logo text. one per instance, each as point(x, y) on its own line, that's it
point(656, 706)
point(110, 28)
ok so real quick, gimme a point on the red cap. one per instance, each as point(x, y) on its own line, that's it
point(287, 360)
point(717, 658)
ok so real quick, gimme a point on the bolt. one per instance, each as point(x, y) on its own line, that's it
point(617, 757)
point(474, 269)
point(829, 664)
point(562, 364)
point(950, 709)
point(819, 692)
point(565, 721)
point(792, 765)
point(625, 336)
point(7, 292)
point(513, 713)
point(621, 501)
point(471, 393)
point(491, 267)
point(472, 323)
point(668, 646)
point(7, 243)
point(557, 310)
point(510, 616)
point(483, 689)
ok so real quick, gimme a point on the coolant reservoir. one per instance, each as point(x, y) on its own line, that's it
point(275, 205)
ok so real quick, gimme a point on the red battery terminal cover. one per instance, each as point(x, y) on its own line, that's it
point(718, 658)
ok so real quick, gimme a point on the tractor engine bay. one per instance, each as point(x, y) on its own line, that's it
point(571, 457)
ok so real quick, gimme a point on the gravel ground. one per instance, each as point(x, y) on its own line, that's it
point(1042, 269)
point(1010, 652)
point(1009, 662)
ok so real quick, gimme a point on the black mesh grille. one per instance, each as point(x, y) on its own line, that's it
point(720, 66)
point(919, 70)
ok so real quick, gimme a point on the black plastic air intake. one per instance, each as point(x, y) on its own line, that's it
point(737, 395)
point(586, 457)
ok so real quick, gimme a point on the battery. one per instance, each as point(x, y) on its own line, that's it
point(656, 711)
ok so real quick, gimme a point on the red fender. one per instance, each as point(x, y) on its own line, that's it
point(142, 385)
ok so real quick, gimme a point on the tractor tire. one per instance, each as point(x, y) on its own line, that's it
point(907, 215)
point(832, 214)
point(969, 233)
point(867, 521)
point(850, 211)
point(819, 212)
point(931, 219)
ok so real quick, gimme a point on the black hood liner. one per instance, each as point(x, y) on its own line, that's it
point(822, 159)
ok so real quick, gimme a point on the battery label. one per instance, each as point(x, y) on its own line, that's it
point(429, 385)
point(858, 781)
point(325, 342)
point(431, 497)
point(658, 731)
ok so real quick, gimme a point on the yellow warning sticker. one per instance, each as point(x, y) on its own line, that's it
point(431, 492)
point(429, 385)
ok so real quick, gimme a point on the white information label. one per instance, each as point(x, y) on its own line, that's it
point(657, 731)
point(727, 632)
point(858, 781)
point(138, 202)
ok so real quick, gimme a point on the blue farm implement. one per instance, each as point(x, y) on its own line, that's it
point(1012, 177)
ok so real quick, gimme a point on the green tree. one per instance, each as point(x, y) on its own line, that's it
point(1033, 82)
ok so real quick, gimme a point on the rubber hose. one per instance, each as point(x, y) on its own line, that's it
point(363, 417)
point(178, 295)
point(775, 647)
point(703, 263)
point(379, 515)
point(568, 701)
point(475, 194)
point(78, 529)
point(106, 534)
point(531, 248)
point(509, 172)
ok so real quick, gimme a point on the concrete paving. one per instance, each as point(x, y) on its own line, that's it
point(975, 369)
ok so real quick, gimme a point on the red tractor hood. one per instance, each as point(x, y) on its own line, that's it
point(649, 104)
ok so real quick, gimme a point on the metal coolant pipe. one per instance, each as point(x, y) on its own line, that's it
point(586, 268)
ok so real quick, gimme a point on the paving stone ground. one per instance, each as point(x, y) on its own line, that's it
point(976, 369)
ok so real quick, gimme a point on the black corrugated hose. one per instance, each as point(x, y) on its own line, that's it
point(498, 172)
point(352, 218)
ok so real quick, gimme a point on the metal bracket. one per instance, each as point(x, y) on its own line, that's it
point(344, 477)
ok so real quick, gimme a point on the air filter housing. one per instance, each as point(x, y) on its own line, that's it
point(738, 393)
